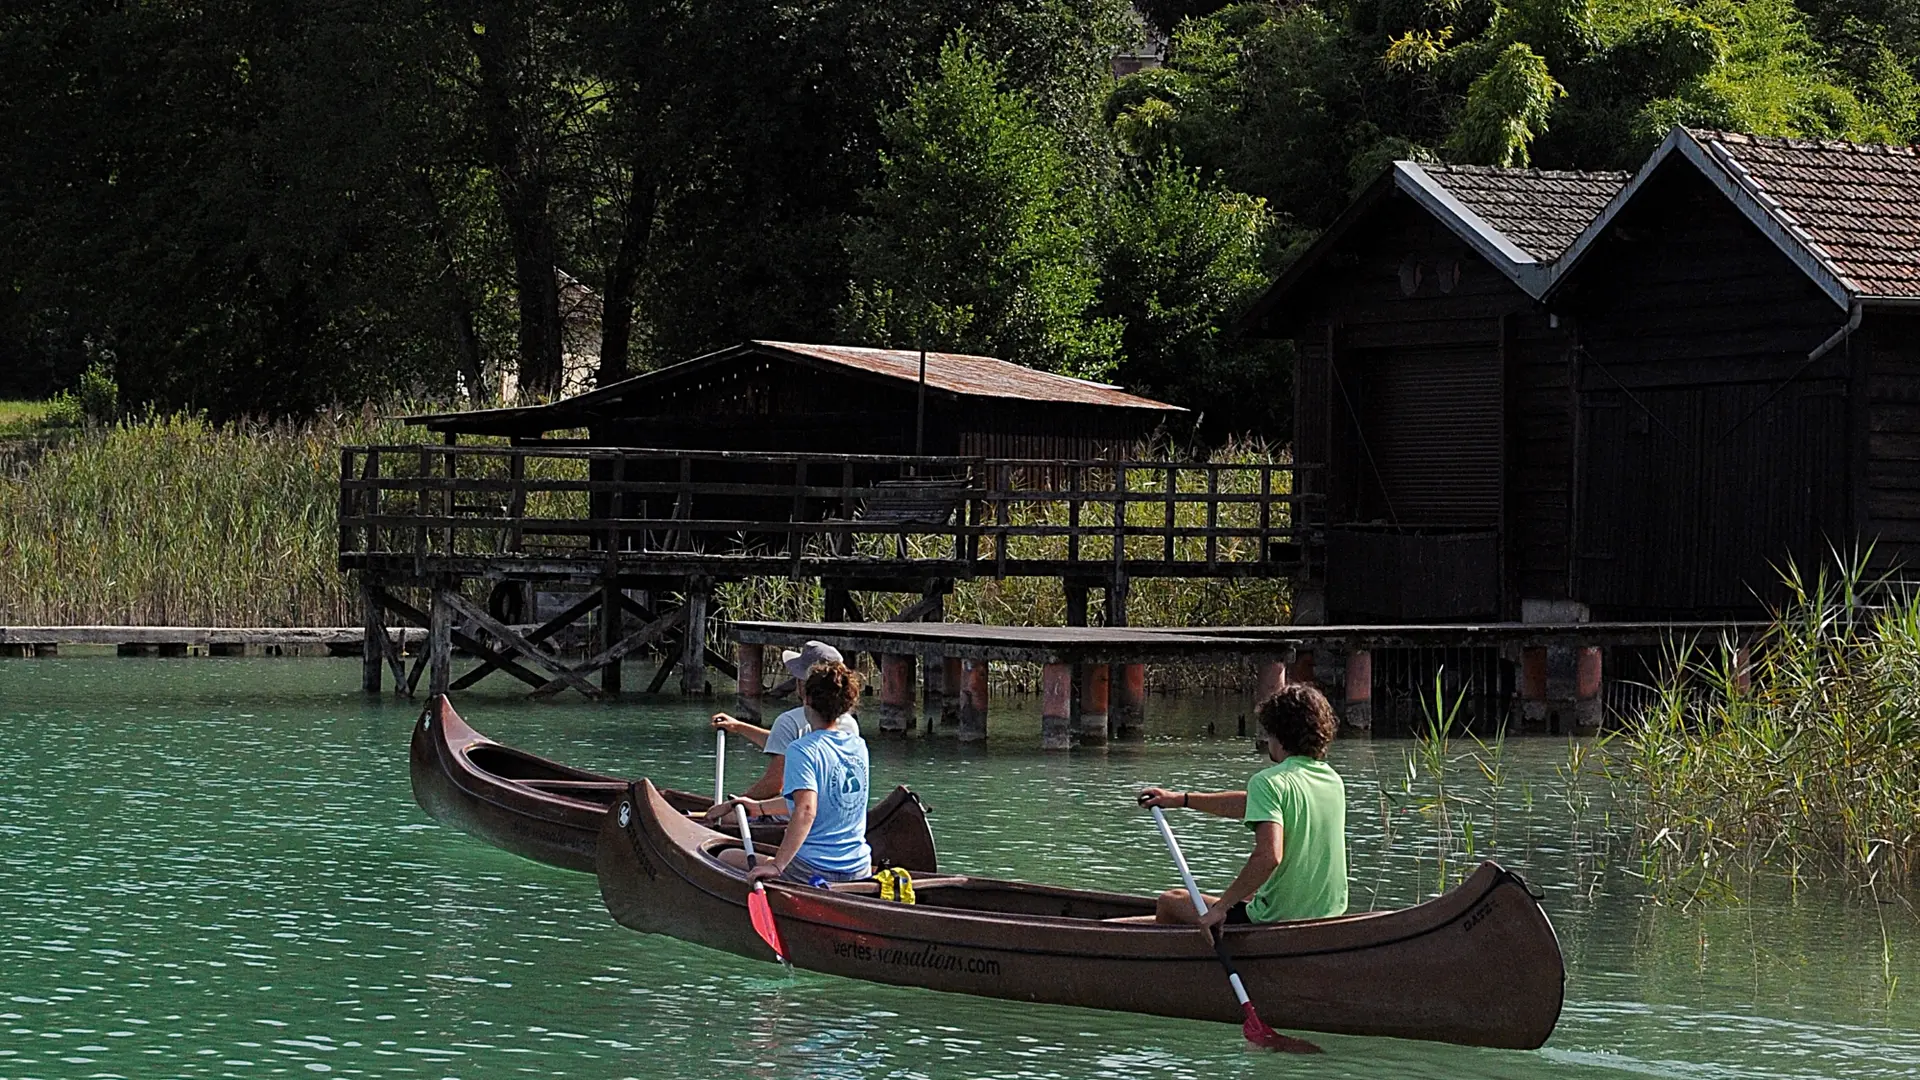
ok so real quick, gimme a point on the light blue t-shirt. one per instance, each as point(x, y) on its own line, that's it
point(832, 764)
point(792, 724)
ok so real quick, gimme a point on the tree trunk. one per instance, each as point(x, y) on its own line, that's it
point(616, 328)
point(500, 43)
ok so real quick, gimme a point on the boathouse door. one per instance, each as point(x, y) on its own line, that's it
point(1419, 539)
point(1695, 497)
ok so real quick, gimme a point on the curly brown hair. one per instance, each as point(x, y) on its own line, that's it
point(1300, 719)
point(832, 688)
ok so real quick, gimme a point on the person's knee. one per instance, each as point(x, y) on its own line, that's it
point(734, 857)
point(1173, 906)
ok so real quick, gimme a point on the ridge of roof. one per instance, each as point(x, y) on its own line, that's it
point(971, 375)
point(1753, 202)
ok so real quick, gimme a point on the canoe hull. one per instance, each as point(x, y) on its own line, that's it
point(1477, 966)
point(492, 791)
point(673, 888)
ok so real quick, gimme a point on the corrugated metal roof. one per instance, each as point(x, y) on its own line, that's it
point(973, 376)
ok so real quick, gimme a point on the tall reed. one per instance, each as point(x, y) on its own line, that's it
point(1809, 762)
point(172, 520)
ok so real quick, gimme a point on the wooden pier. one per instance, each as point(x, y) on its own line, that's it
point(643, 536)
point(181, 640)
point(1105, 666)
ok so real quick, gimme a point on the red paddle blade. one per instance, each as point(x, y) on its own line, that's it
point(762, 914)
point(1259, 1034)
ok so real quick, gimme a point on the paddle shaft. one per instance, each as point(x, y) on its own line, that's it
point(1199, 904)
point(720, 767)
point(746, 834)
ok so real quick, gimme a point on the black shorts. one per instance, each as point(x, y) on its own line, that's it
point(1237, 915)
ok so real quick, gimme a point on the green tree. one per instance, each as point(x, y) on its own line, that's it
point(1181, 259)
point(975, 238)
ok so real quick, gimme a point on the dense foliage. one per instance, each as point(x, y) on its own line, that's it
point(256, 208)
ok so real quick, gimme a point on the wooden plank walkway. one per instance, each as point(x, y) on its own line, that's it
point(1469, 635)
point(331, 636)
point(1019, 644)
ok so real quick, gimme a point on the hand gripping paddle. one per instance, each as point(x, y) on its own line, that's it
point(757, 907)
point(1254, 1028)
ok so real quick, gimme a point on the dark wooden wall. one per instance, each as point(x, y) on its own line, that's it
point(1709, 450)
point(1886, 447)
point(1435, 390)
point(774, 403)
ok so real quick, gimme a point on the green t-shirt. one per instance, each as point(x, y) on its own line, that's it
point(1308, 800)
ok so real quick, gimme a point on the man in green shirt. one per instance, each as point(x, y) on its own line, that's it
point(1297, 809)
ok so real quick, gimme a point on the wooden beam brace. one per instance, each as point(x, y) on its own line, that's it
point(543, 632)
point(667, 660)
point(507, 636)
point(639, 639)
point(495, 661)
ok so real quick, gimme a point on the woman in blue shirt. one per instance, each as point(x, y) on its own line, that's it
point(826, 783)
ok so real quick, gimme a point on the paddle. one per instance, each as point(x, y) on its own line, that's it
point(1254, 1028)
point(757, 907)
point(719, 766)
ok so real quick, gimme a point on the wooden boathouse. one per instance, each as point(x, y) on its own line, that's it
point(781, 460)
point(1560, 397)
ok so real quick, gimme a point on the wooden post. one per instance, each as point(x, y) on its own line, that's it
point(751, 659)
point(1273, 676)
point(953, 691)
point(1534, 707)
point(373, 650)
point(973, 701)
point(1117, 601)
point(1743, 668)
point(1301, 670)
point(693, 657)
point(896, 693)
point(1588, 708)
point(1128, 686)
point(1359, 711)
point(440, 641)
point(612, 618)
point(1056, 705)
point(1094, 679)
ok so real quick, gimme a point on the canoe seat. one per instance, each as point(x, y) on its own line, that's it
point(920, 884)
point(574, 785)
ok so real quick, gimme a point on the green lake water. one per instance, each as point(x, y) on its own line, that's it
point(215, 868)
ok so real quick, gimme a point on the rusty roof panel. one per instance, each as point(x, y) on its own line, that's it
point(974, 376)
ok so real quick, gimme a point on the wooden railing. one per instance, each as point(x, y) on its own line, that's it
point(430, 507)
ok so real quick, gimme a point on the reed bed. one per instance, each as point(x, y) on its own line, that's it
point(170, 520)
point(1810, 762)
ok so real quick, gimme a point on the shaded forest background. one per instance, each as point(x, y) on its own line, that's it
point(267, 209)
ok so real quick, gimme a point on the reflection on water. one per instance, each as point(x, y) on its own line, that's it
point(214, 868)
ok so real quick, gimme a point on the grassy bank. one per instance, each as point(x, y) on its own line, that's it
point(1811, 764)
point(170, 520)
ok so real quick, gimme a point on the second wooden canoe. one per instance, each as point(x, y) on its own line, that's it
point(543, 810)
point(1478, 965)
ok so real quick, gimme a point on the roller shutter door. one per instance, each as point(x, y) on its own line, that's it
point(1432, 423)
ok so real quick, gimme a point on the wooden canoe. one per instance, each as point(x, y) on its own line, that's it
point(549, 812)
point(1479, 965)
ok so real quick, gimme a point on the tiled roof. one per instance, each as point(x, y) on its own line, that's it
point(1539, 211)
point(1855, 207)
point(975, 376)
